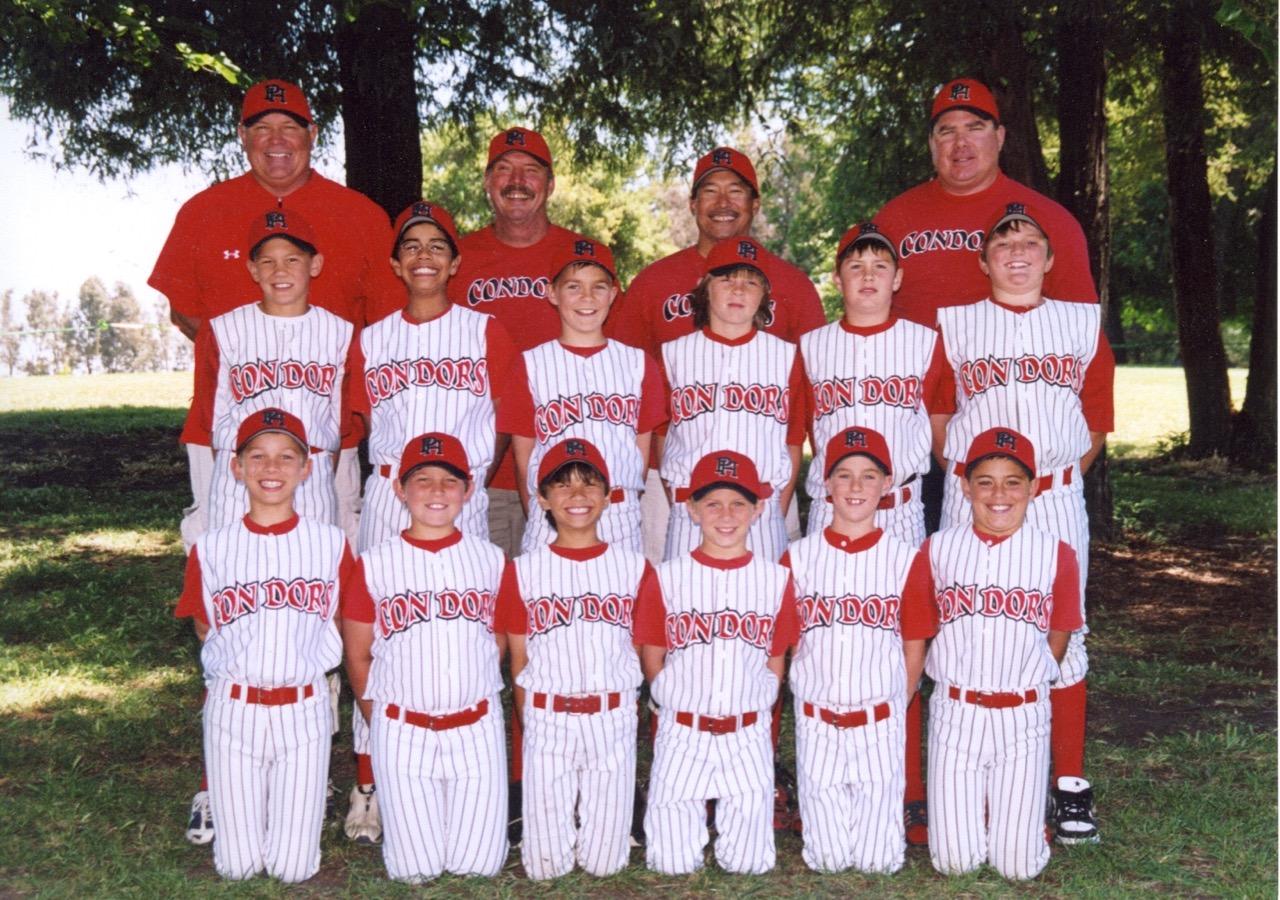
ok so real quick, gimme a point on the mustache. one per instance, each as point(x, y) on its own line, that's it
point(516, 191)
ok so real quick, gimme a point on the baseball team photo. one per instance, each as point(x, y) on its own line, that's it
point(638, 448)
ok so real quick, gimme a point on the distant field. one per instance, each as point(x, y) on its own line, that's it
point(1151, 402)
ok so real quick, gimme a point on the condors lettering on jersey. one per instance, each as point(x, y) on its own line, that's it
point(935, 239)
point(768, 400)
point(250, 379)
point(304, 595)
point(521, 287)
point(407, 609)
point(385, 380)
point(556, 416)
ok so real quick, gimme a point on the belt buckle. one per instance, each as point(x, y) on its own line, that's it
point(982, 698)
point(579, 705)
point(435, 723)
point(718, 724)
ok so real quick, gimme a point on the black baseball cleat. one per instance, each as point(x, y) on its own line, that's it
point(1071, 812)
point(515, 816)
point(637, 818)
point(786, 815)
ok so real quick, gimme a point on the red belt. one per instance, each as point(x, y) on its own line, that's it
point(889, 501)
point(717, 724)
point(440, 723)
point(281, 696)
point(588, 704)
point(855, 719)
point(993, 699)
point(1043, 484)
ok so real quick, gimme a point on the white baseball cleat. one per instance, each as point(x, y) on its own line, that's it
point(364, 822)
point(200, 826)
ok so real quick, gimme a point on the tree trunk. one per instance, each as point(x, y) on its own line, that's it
point(1191, 225)
point(1022, 158)
point(377, 66)
point(1082, 181)
point(1253, 434)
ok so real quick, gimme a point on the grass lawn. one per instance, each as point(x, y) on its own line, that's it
point(99, 725)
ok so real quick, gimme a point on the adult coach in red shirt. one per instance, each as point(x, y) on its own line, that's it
point(939, 224)
point(939, 229)
point(504, 272)
point(203, 269)
point(724, 200)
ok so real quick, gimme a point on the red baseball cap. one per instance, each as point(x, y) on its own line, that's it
point(275, 95)
point(435, 448)
point(864, 231)
point(1015, 212)
point(572, 450)
point(1002, 442)
point(726, 468)
point(271, 419)
point(581, 249)
point(742, 250)
point(285, 224)
point(525, 140)
point(964, 93)
point(858, 441)
point(729, 159)
point(421, 211)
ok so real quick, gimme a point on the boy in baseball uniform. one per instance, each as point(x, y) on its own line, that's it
point(714, 626)
point(1008, 600)
point(566, 608)
point(263, 595)
point(733, 385)
point(865, 614)
point(1043, 367)
point(422, 657)
point(279, 352)
point(431, 366)
point(586, 386)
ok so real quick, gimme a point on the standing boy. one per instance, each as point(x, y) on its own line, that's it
point(865, 615)
point(586, 386)
point(714, 626)
point(1008, 599)
point(566, 609)
point(423, 662)
point(1043, 367)
point(263, 596)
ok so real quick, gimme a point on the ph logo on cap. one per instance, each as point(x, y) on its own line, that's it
point(272, 417)
point(726, 466)
point(1015, 209)
point(574, 448)
point(276, 220)
point(584, 248)
point(721, 156)
point(1007, 440)
point(515, 138)
point(855, 438)
point(423, 209)
point(747, 250)
point(959, 91)
point(432, 446)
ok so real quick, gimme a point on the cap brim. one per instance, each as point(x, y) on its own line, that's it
point(703, 177)
point(742, 264)
point(1017, 217)
point(875, 236)
point(261, 431)
point(465, 476)
point(884, 466)
point(426, 220)
point(764, 493)
point(304, 246)
point(569, 462)
point(976, 110)
point(539, 158)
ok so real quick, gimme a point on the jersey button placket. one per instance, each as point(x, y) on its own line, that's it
point(721, 667)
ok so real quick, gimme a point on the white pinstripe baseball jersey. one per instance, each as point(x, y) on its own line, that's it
point(1026, 370)
point(432, 376)
point(269, 596)
point(858, 599)
point(431, 604)
point(599, 397)
point(576, 608)
point(247, 360)
point(878, 378)
point(732, 393)
point(720, 621)
point(997, 600)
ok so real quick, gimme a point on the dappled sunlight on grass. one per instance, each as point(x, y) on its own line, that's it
point(27, 696)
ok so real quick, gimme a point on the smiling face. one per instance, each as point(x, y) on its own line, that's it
point(999, 490)
point(867, 279)
point(725, 516)
point(434, 496)
point(575, 502)
point(722, 206)
point(1016, 259)
point(583, 294)
point(965, 149)
point(279, 150)
point(518, 187)
point(283, 271)
point(271, 466)
point(424, 260)
point(855, 487)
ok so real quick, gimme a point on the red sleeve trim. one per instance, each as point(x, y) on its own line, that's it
point(786, 626)
point(653, 397)
point(797, 414)
point(199, 425)
point(1097, 395)
point(357, 603)
point(1067, 613)
point(919, 612)
point(649, 622)
point(191, 603)
point(510, 616)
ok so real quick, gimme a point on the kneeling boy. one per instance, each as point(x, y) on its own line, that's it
point(566, 608)
point(263, 594)
point(423, 661)
point(865, 614)
point(1008, 598)
point(713, 626)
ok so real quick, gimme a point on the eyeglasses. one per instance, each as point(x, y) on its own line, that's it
point(415, 248)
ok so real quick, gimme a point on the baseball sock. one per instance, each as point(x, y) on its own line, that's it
point(1066, 735)
point(915, 750)
point(364, 769)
